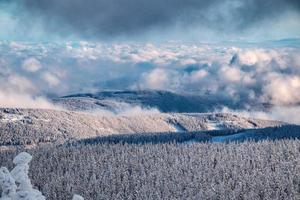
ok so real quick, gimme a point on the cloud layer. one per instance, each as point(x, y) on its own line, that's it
point(247, 75)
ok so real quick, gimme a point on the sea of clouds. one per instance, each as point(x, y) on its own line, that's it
point(31, 73)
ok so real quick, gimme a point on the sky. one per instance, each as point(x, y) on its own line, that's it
point(143, 20)
point(245, 52)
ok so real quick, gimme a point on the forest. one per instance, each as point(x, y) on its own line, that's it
point(247, 170)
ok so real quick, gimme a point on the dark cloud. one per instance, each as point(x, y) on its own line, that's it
point(100, 18)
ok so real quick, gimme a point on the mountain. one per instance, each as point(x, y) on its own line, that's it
point(111, 141)
point(164, 101)
point(40, 126)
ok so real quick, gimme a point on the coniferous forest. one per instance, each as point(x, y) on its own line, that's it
point(248, 170)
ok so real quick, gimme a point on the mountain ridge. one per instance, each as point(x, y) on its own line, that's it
point(37, 126)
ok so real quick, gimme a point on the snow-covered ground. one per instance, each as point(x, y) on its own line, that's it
point(214, 125)
point(11, 117)
point(26, 125)
point(177, 127)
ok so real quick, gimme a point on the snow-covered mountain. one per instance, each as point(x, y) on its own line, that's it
point(89, 136)
point(164, 101)
point(36, 126)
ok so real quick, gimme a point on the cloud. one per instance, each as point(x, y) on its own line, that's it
point(124, 109)
point(31, 65)
point(157, 79)
point(133, 18)
point(282, 89)
point(14, 100)
point(230, 74)
point(17, 84)
point(19, 92)
point(198, 75)
point(245, 75)
point(138, 111)
point(51, 79)
point(288, 114)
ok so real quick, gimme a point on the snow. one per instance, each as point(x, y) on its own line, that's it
point(11, 117)
point(59, 126)
point(177, 127)
point(213, 125)
point(8, 184)
point(77, 197)
point(16, 184)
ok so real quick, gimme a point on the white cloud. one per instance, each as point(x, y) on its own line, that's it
point(288, 114)
point(253, 57)
point(198, 75)
point(19, 92)
point(188, 61)
point(125, 109)
point(264, 75)
point(157, 79)
point(31, 65)
point(282, 89)
point(230, 74)
point(18, 84)
point(51, 79)
point(14, 100)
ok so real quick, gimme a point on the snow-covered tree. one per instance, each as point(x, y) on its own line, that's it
point(16, 185)
point(25, 190)
point(7, 184)
point(77, 197)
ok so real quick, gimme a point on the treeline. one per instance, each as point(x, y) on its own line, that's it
point(250, 170)
point(228, 135)
point(142, 138)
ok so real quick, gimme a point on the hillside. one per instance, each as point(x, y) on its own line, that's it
point(164, 101)
point(212, 136)
point(251, 170)
point(36, 126)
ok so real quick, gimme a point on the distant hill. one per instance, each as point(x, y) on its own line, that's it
point(165, 101)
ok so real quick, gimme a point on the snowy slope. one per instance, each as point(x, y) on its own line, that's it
point(281, 132)
point(34, 126)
